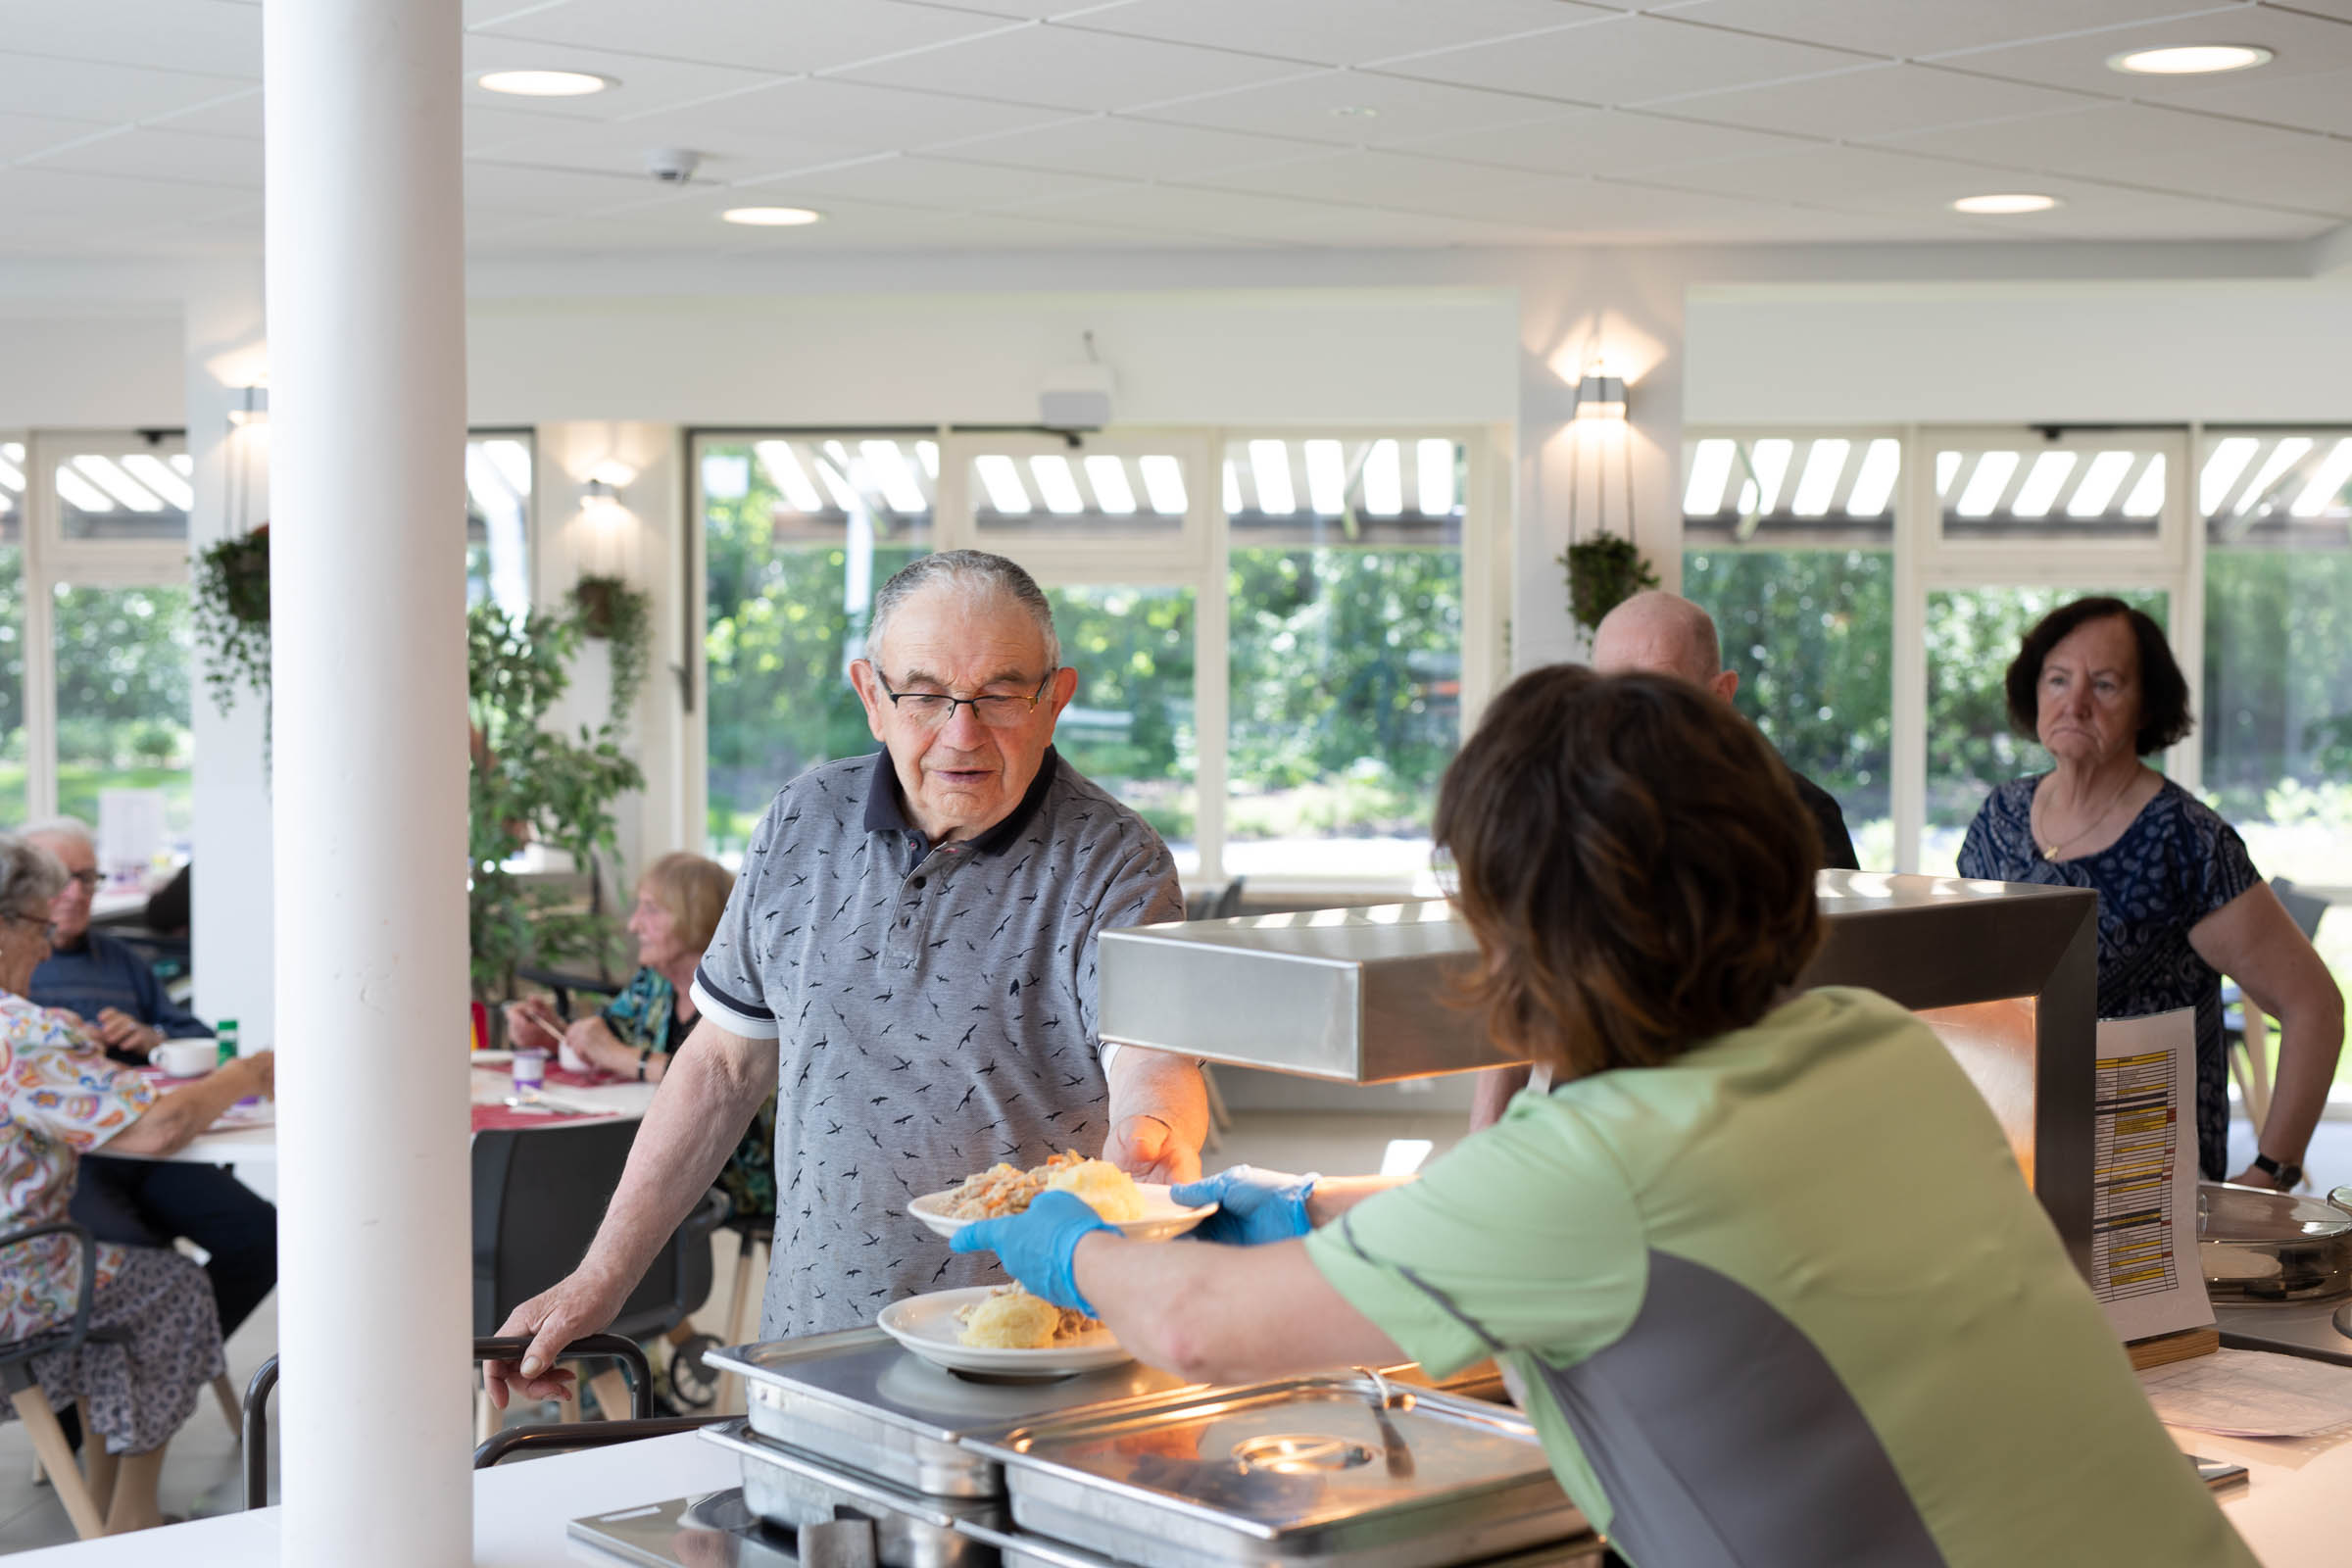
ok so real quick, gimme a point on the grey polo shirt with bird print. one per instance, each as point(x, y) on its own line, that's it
point(934, 1011)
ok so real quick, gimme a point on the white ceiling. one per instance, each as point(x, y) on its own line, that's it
point(131, 127)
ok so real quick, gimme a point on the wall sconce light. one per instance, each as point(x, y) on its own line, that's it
point(1600, 396)
point(600, 492)
point(249, 404)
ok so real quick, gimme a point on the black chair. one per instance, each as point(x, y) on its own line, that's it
point(588, 1347)
point(25, 1390)
point(561, 1437)
point(539, 1194)
point(562, 983)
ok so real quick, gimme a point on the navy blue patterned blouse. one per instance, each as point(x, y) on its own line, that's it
point(2175, 864)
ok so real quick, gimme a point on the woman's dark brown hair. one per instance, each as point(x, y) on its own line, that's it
point(1634, 862)
point(2164, 715)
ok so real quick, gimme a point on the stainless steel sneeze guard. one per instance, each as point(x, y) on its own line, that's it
point(1360, 995)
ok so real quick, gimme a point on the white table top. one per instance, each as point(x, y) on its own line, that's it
point(249, 1144)
point(520, 1509)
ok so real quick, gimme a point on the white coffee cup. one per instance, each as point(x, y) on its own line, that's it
point(185, 1058)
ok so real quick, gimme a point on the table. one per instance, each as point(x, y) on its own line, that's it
point(259, 1144)
point(519, 1511)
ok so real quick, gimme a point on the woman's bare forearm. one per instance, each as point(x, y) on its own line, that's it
point(2311, 1037)
point(173, 1122)
point(1334, 1195)
point(1225, 1315)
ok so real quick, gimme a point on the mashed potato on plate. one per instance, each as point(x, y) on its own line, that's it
point(1104, 1187)
point(1014, 1320)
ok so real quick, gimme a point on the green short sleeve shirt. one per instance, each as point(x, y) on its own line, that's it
point(1786, 1300)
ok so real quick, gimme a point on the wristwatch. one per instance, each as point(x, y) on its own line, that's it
point(641, 1057)
point(2285, 1177)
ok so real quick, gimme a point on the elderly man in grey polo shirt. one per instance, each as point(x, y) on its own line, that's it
point(908, 960)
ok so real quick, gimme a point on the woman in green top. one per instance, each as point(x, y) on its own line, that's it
point(1762, 1269)
point(679, 900)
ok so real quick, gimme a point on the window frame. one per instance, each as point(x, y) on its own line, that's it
point(1196, 554)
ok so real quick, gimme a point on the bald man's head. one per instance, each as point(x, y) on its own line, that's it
point(1662, 634)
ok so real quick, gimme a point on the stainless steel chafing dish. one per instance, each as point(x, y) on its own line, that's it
point(1017, 1549)
point(2257, 1246)
point(789, 1488)
point(858, 1398)
point(1341, 1470)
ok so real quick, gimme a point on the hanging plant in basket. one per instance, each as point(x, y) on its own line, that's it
point(607, 607)
point(233, 617)
point(1604, 573)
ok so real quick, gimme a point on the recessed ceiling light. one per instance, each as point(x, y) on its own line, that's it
point(2190, 60)
point(1357, 112)
point(770, 217)
point(544, 84)
point(2005, 204)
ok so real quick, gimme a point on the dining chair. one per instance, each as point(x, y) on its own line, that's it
point(25, 1390)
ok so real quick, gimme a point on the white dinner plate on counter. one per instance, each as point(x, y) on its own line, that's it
point(1163, 1216)
point(927, 1326)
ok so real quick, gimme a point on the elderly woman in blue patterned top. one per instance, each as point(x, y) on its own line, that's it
point(60, 1098)
point(2181, 903)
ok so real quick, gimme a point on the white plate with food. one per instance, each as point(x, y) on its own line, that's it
point(1002, 1317)
point(1142, 1210)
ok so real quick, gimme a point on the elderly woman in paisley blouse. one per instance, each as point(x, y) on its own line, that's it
point(60, 1098)
point(2181, 903)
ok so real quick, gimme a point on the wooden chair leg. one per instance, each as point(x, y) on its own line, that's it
point(611, 1391)
point(49, 1441)
point(232, 1409)
point(487, 1417)
point(737, 1301)
point(2256, 1086)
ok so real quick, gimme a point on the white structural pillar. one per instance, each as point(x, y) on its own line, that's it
point(366, 294)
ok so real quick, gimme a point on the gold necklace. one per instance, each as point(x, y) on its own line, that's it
point(2049, 851)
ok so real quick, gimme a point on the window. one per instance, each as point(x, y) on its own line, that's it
point(498, 520)
point(1345, 685)
point(1270, 644)
point(124, 757)
point(2276, 710)
point(797, 533)
point(1789, 541)
point(11, 634)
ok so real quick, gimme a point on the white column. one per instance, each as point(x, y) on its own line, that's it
point(231, 929)
point(368, 389)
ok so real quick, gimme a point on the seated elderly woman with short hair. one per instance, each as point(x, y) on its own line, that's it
point(60, 1098)
point(1763, 1268)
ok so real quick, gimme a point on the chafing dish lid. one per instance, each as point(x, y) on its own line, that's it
point(866, 1370)
point(2253, 1214)
point(1292, 1455)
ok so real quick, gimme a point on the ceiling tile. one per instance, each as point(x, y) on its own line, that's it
point(517, 188)
point(1068, 68)
point(1405, 184)
point(1876, 101)
point(1352, 108)
point(201, 35)
point(174, 155)
point(645, 84)
point(916, 182)
point(105, 201)
point(1876, 180)
point(781, 35)
point(725, 156)
point(1332, 32)
point(1912, 29)
point(2165, 149)
point(32, 133)
point(2304, 45)
point(851, 117)
point(1600, 142)
point(74, 89)
point(2322, 101)
point(236, 114)
point(1625, 60)
point(1120, 148)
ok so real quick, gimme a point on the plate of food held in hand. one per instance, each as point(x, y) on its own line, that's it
point(1000, 1330)
point(1142, 1210)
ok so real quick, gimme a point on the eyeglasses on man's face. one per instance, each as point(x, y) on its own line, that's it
point(937, 710)
point(90, 881)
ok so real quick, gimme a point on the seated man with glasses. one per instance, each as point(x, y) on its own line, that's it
point(144, 1202)
point(907, 961)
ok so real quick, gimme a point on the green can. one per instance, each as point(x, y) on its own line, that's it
point(225, 1033)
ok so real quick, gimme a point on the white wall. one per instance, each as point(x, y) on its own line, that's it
point(2019, 352)
point(72, 367)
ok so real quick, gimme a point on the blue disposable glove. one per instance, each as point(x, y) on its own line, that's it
point(1035, 1246)
point(1254, 1206)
